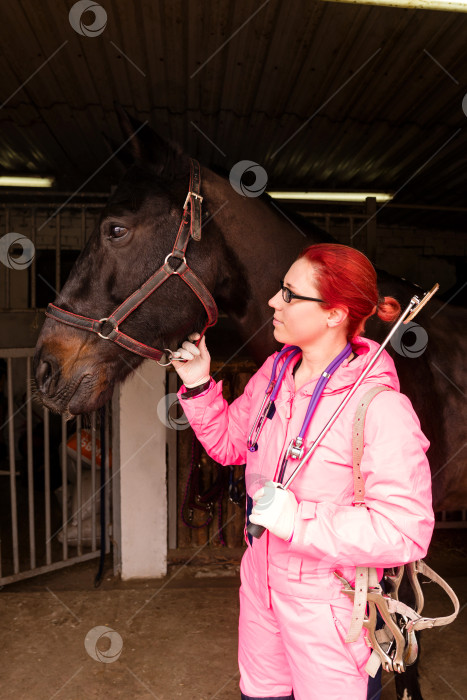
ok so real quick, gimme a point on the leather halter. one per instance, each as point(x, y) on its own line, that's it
point(174, 264)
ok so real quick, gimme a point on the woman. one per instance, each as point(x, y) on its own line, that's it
point(293, 615)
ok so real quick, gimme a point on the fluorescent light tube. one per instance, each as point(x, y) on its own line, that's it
point(446, 5)
point(331, 196)
point(25, 181)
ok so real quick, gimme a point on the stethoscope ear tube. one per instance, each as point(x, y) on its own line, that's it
point(410, 312)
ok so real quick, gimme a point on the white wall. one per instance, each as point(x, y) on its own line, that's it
point(139, 440)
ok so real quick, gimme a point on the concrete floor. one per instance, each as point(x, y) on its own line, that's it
point(179, 634)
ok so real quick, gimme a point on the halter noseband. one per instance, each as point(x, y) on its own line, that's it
point(174, 264)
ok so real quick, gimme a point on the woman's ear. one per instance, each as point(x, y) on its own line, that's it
point(337, 316)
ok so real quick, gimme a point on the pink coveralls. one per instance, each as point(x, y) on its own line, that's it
point(293, 616)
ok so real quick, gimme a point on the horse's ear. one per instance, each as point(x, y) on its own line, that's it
point(146, 146)
point(122, 154)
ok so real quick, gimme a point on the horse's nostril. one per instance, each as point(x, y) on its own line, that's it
point(47, 376)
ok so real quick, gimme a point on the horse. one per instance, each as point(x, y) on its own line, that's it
point(246, 246)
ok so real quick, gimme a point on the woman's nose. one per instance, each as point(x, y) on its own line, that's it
point(276, 300)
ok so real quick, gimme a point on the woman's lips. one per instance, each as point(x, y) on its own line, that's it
point(275, 322)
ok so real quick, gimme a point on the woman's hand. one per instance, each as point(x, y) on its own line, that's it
point(196, 370)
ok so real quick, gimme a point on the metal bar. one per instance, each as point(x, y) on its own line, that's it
point(58, 250)
point(98, 205)
point(48, 545)
point(32, 533)
point(44, 193)
point(64, 493)
point(16, 352)
point(79, 487)
point(11, 445)
point(107, 487)
point(33, 266)
point(45, 569)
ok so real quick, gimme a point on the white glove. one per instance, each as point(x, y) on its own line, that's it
point(275, 509)
point(195, 371)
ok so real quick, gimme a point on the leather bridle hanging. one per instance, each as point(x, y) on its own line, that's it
point(174, 264)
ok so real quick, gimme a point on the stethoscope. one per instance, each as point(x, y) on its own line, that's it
point(267, 409)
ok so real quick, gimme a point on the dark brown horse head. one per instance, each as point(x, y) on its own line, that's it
point(76, 369)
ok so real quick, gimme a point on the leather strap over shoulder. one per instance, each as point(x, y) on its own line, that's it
point(357, 442)
point(394, 646)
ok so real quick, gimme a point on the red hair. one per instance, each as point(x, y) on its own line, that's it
point(347, 279)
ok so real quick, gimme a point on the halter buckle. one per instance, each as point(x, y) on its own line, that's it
point(113, 333)
point(192, 194)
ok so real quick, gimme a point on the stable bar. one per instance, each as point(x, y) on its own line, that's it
point(48, 546)
point(32, 533)
point(64, 493)
point(45, 569)
point(11, 446)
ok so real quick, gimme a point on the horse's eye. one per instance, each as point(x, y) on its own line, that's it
point(118, 231)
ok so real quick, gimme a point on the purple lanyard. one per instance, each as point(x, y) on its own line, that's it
point(296, 447)
point(268, 408)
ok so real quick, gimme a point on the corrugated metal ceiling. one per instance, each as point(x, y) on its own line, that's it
point(322, 95)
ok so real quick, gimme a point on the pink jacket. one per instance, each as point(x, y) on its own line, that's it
point(330, 533)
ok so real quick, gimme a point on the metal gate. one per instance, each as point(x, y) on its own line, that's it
point(50, 495)
point(49, 469)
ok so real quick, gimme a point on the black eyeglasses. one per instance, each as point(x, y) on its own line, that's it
point(288, 295)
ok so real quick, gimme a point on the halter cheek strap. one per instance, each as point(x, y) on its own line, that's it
point(174, 264)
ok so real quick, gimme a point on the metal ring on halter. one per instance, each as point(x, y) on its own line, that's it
point(113, 331)
point(170, 255)
point(170, 357)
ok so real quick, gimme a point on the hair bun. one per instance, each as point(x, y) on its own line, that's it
point(388, 309)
